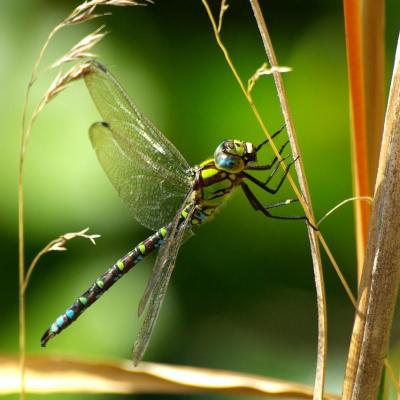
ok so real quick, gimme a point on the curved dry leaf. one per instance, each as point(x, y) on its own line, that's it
point(67, 375)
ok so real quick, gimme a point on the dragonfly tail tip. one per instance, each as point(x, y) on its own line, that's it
point(46, 337)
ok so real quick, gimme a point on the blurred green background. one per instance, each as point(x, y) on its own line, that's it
point(242, 295)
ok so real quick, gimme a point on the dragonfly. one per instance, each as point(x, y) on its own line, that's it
point(163, 193)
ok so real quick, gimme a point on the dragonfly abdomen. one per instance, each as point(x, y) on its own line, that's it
point(104, 282)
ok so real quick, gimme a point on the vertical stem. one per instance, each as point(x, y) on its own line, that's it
point(21, 265)
point(360, 159)
point(315, 252)
point(381, 272)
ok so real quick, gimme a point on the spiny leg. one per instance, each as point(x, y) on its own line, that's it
point(272, 174)
point(259, 207)
point(264, 186)
point(267, 140)
point(270, 165)
point(280, 203)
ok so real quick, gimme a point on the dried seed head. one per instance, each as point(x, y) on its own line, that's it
point(82, 48)
point(63, 80)
point(59, 243)
point(85, 11)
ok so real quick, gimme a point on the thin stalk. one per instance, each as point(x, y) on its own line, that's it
point(342, 203)
point(273, 146)
point(254, 109)
point(313, 236)
point(83, 12)
point(318, 272)
point(21, 274)
point(25, 133)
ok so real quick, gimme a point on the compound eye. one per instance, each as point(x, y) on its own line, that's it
point(228, 162)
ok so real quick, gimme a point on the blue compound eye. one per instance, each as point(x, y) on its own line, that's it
point(228, 162)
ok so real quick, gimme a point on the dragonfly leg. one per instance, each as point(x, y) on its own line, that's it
point(272, 174)
point(267, 140)
point(263, 185)
point(264, 209)
point(259, 207)
point(272, 163)
point(280, 203)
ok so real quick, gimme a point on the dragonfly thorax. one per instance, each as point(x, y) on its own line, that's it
point(234, 155)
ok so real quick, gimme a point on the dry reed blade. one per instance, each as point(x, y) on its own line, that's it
point(380, 276)
point(322, 336)
point(65, 375)
point(364, 23)
point(361, 179)
point(373, 25)
point(315, 252)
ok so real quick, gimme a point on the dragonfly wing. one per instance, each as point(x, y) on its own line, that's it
point(166, 261)
point(152, 198)
point(159, 264)
point(147, 170)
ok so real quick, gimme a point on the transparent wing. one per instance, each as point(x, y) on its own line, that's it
point(147, 170)
point(166, 259)
point(159, 264)
point(152, 199)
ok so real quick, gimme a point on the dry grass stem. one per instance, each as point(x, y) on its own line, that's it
point(380, 277)
point(82, 13)
point(58, 244)
point(264, 70)
point(224, 7)
point(248, 96)
point(66, 375)
point(342, 203)
point(313, 235)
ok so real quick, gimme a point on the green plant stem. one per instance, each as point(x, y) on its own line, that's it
point(25, 133)
point(21, 269)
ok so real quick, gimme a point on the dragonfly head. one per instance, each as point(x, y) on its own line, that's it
point(234, 155)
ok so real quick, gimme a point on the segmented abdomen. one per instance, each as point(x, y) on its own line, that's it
point(104, 282)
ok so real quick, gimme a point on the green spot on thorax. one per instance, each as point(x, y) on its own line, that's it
point(209, 173)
